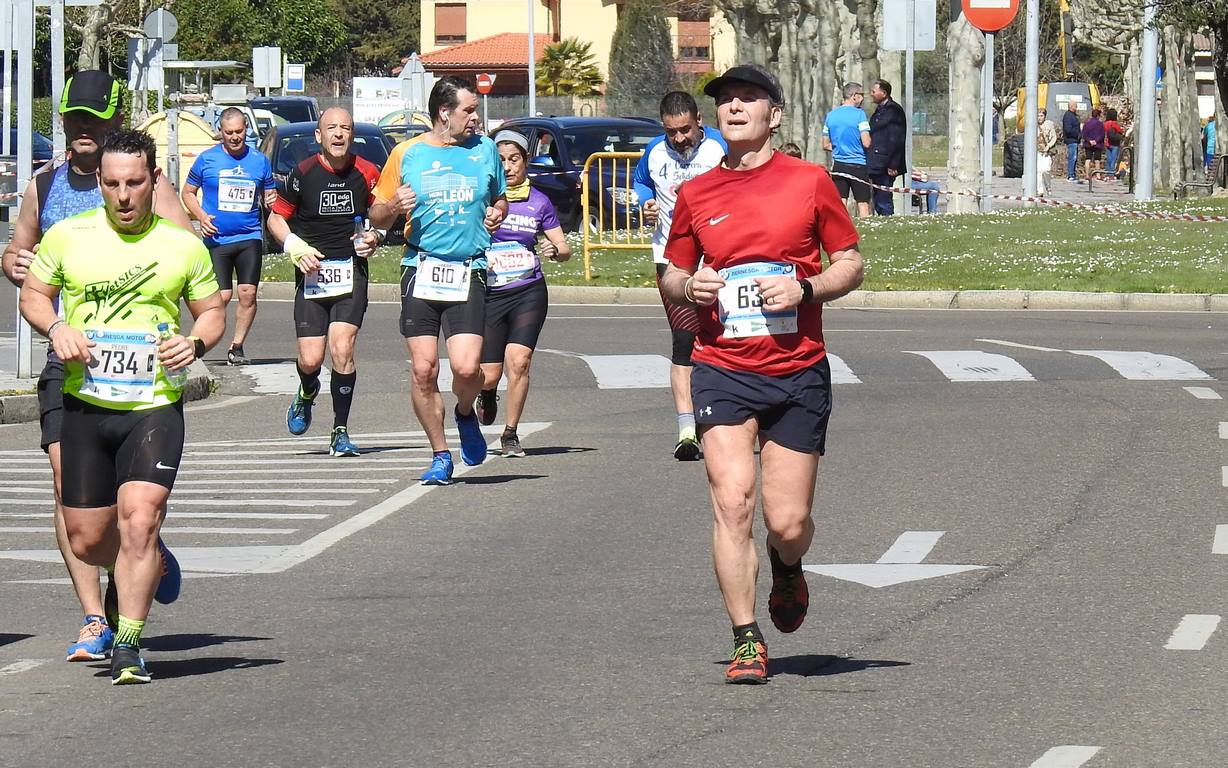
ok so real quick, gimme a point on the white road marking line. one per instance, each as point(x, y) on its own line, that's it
point(1220, 544)
point(236, 502)
point(310, 471)
point(167, 529)
point(211, 404)
point(974, 365)
point(840, 372)
point(180, 492)
point(311, 453)
point(21, 665)
point(1193, 632)
point(1019, 346)
point(296, 483)
point(1068, 756)
point(1203, 393)
point(624, 371)
point(1223, 476)
point(312, 459)
point(1145, 366)
point(192, 515)
point(911, 547)
point(280, 378)
point(320, 442)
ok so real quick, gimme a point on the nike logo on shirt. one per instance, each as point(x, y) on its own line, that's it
point(160, 465)
point(718, 220)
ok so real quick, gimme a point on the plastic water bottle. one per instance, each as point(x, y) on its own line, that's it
point(177, 378)
point(359, 234)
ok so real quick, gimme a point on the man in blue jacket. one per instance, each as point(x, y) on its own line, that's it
point(888, 132)
point(687, 149)
point(1072, 133)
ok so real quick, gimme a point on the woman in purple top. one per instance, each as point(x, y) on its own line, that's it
point(516, 296)
point(1093, 144)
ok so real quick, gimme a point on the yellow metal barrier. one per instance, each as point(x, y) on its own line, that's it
point(622, 194)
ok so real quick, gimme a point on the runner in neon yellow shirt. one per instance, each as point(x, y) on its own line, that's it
point(122, 271)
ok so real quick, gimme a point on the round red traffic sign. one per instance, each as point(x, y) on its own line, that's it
point(485, 83)
point(990, 15)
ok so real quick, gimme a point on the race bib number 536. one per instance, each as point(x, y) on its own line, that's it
point(741, 308)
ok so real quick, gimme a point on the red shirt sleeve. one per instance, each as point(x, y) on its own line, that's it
point(683, 248)
point(288, 196)
point(371, 174)
point(834, 227)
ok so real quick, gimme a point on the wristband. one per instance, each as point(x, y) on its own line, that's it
point(52, 327)
point(296, 247)
point(380, 235)
point(807, 291)
point(686, 290)
point(198, 347)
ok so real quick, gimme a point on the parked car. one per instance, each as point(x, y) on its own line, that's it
point(287, 145)
point(42, 148)
point(292, 109)
point(558, 149)
point(403, 131)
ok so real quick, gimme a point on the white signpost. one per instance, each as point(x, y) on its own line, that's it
point(909, 25)
point(375, 97)
point(266, 68)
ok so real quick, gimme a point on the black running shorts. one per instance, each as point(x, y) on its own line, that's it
point(861, 192)
point(101, 449)
point(420, 317)
point(792, 410)
point(313, 316)
point(514, 317)
point(243, 259)
point(51, 402)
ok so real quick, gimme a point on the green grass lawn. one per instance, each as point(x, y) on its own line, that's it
point(1037, 249)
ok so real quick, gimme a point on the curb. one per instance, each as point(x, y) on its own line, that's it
point(1048, 300)
point(18, 409)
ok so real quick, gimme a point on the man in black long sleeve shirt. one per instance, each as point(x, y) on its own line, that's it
point(888, 132)
point(1071, 133)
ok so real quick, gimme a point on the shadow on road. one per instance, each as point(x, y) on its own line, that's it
point(191, 642)
point(497, 479)
point(6, 639)
point(554, 450)
point(816, 665)
point(205, 665)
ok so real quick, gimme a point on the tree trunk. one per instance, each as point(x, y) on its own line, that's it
point(1178, 136)
point(867, 47)
point(966, 55)
point(96, 19)
point(798, 40)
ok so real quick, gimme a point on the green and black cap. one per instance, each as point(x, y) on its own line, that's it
point(92, 91)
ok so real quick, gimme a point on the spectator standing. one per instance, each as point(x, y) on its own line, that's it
point(885, 161)
point(1208, 142)
point(1114, 135)
point(1071, 134)
point(846, 134)
point(1093, 143)
point(1046, 150)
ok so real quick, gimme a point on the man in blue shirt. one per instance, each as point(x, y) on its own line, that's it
point(233, 178)
point(846, 134)
point(1208, 142)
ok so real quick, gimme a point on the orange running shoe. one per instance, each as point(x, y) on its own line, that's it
point(790, 597)
point(748, 666)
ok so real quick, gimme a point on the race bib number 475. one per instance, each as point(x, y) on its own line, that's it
point(741, 308)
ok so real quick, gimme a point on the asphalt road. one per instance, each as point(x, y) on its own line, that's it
point(560, 610)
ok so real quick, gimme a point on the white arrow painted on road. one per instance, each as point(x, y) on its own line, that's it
point(899, 564)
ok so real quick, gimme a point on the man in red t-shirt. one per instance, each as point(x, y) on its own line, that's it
point(757, 222)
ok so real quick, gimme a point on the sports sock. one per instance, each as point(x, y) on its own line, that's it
point(509, 430)
point(686, 425)
point(343, 396)
point(779, 566)
point(129, 631)
point(309, 383)
point(752, 630)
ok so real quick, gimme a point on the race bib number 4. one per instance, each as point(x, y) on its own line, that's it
point(123, 366)
point(334, 278)
point(741, 308)
point(439, 280)
point(236, 195)
point(508, 263)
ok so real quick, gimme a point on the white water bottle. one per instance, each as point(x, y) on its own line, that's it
point(359, 235)
point(178, 378)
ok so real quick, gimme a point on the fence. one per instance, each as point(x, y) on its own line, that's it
point(621, 196)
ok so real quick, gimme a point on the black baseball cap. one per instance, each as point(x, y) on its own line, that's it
point(747, 73)
point(92, 91)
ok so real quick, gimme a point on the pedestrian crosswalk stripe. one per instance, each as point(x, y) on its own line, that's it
point(974, 365)
point(179, 515)
point(199, 491)
point(171, 529)
point(330, 502)
point(840, 372)
point(339, 466)
point(1146, 366)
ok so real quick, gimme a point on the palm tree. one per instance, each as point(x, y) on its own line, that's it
point(567, 68)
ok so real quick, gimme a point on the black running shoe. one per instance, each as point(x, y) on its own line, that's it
point(790, 597)
point(510, 442)
point(487, 407)
point(127, 666)
point(235, 356)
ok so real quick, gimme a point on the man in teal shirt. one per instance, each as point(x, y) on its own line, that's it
point(1208, 142)
point(450, 185)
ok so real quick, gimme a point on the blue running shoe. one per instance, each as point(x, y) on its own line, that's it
point(473, 444)
point(440, 472)
point(298, 415)
point(94, 642)
point(172, 578)
point(127, 666)
point(341, 444)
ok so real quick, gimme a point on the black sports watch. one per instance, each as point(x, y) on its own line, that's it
point(198, 347)
point(807, 290)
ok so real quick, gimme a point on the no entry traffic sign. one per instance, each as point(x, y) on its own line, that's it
point(485, 83)
point(990, 15)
